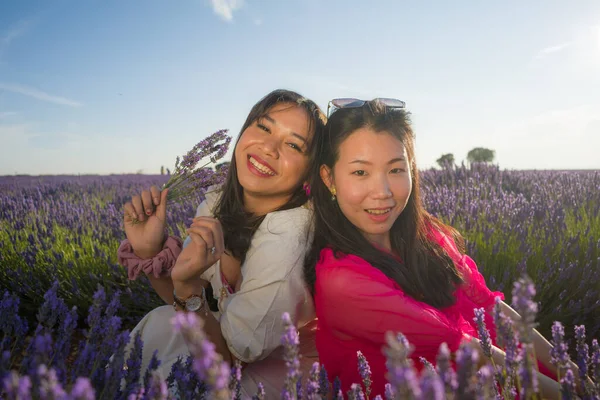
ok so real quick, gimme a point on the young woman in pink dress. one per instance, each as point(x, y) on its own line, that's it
point(379, 262)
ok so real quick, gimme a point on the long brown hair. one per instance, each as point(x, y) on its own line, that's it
point(426, 272)
point(238, 224)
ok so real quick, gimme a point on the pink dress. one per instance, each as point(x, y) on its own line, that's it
point(356, 304)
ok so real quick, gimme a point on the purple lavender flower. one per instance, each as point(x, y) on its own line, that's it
point(482, 332)
point(432, 387)
point(157, 389)
point(401, 372)
point(445, 370)
point(290, 342)
point(365, 372)
point(235, 384)
point(595, 363)
point(260, 392)
point(389, 392)
point(337, 385)
point(466, 362)
point(208, 364)
point(83, 390)
point(299, 388)
point(49, 387)
point(560, 350)
point(528, 371)
point(522, 301)
point(486, 384)
point(16, 387)
point(583, 358)
point(312, 386)
point(356, 392)
point(567, 384)
point(324, 385)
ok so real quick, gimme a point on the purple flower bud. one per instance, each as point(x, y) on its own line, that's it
point(445, 370)
point(83, 390)
point(483, 333)
point(365, 372)
point(312, 386)
point(522, 301)
point(432, 387)
point(567, 384)
point(260, 392)
point(528, 371)
point(560, 351)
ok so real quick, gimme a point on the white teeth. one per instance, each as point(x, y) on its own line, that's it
point(379, 212)
point(261, 168)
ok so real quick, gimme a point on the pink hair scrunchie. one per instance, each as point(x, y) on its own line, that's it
point(159, 265)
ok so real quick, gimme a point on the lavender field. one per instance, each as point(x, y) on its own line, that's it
point(59, 235)
point(544, 223)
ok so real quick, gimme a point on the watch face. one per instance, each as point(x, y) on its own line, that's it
point(194, 303)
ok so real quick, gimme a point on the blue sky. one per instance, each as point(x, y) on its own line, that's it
point(106, 86)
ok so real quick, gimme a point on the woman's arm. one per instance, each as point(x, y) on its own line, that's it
point(212, 327)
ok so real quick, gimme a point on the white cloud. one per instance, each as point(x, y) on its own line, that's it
point(17, 30)
point(553, 49)
point(38, 94)
point(6, 114)
point(225, 8)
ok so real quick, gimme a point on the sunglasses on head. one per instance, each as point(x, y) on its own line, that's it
point(337, 104)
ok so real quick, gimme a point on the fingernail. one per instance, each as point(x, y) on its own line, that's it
point(156, 200)
point(149, 212)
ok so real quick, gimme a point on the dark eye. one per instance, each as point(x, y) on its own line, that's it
point(397, 171)
point(360, 172)
point(295, 147)
point(261, 126)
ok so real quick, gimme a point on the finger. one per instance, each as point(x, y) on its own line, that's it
point(217, 231)
point(139, 208)
point(129, 214)
point(161, 209)
point(147, 202)
point(197, 239)
point(155, 192)
point(206, 235)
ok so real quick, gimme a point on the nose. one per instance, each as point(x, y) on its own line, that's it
point(271, 147)
point(381, 188)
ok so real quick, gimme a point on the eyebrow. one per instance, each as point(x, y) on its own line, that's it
point(392, 161)
point(297, 135)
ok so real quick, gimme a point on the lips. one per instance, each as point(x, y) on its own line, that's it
point(261, 165)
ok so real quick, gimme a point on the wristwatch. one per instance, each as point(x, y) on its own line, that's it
point(192, 303)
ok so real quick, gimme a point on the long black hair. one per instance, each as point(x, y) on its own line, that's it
point(238, 224)
point(425, 272)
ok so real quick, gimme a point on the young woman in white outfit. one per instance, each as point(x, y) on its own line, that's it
point(246, 247)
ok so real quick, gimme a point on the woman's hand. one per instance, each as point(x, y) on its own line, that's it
point(205, 249)
point(144, 218)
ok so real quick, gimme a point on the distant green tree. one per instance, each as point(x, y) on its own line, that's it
point(481, 154)
point(162, 169)
point(168, 172)
point(446, 160)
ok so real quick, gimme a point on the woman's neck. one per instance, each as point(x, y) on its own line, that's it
point(259, 205)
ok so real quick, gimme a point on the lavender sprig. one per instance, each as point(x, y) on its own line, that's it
point(402, 374)
point(522, 301)
point(560, 350)
point(312, 386)
point(190, 177)
point(290, 342)
point(483, 333)
point(365, 372)
point(324, 385)
point(567, 384)
point(208, 364)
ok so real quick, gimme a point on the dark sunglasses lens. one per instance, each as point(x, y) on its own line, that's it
point(343, 103)
point(393, 103)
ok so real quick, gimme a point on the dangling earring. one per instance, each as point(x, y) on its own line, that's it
point(333, 193)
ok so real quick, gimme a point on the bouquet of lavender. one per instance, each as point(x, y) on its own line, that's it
point(191, 175)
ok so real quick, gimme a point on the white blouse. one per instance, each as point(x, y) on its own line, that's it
point(272, 283)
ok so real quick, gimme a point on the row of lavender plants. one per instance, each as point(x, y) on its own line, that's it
point(544, 223)
point(104, 366)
